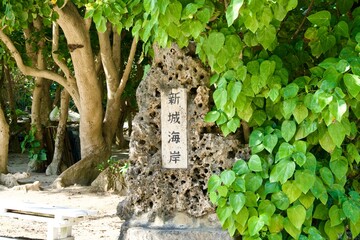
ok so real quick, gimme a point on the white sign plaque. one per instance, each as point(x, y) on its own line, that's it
point(174, 145)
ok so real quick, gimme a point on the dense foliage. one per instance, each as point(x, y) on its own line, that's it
point(290, 69)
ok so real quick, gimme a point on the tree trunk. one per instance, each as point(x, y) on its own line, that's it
point(120, 139)
point(46, 103)
point(53, 168)
point(4, 142)
point(10, 91)
point(83, 172)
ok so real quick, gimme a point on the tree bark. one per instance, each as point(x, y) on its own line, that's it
point(91, 114)
point(53, 168)
point(10, 91)
point(4, 142)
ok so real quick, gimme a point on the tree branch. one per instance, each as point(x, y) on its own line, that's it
point(69, 77)
point(112, 76)
point(127, 70)
point(116, 48)
point(31, 71)
point(304, 19)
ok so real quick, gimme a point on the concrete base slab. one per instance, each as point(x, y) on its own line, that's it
point(146, 233)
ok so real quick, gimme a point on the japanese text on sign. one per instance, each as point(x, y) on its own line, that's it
point(174, 128)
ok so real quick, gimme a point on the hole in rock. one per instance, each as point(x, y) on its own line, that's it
point(231, 154)
point(160, 65)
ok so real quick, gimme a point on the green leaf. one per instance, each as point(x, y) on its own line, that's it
point(321, 212)
point(291, 191)
point(255, 163)
point(239, 185)
point(267, 208)
point(339, 167)
point(285, 151)
point(213, 183)
point(299, 158)
point(300, 146)
point(335, 215)
point(222, 119)
point(351, 210)
point(344, 5)
point(288, 129)
point(291, 229)
point(289, 106)
point(337, 133)
point(233, 124)
point(319, 191)
point(270, 142)
point(290, 91)
point(234, 89)
point(352, 83)
point(315, 234)
point(257, 84)
point(282, 171)
point(232, 12)
point(223, 191)
point(300, 113)
point(342, 29)
point(213, 197)
point(296, 215)
point(280, 200)
point(240, 167)
point(355, 228)
point(276, 225)
point(307, 200)
point(353, 153)
point(333, 232)
point(256, 138)
point(327, 176)
point(338, 108)
point(212, 116)
point(220, 97)
point(253, 182)
point(266, 36)
point(259, 116)
point(267, 69)
point(216, 41)
point(237, 201)
point(326, 141)
point(255, 224)
point(304, 180)
point(204, 15)
point(227, 177)
point(306, 127)
point(173, 11)
point(101, 25)
point(321, 18)
point(223, 213)
point(273, 94)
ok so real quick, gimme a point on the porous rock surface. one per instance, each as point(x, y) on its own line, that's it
point(166, 191)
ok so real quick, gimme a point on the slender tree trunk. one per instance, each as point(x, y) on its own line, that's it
point(120, 139)
point(4, 142)
point(10, 91)
point(53, 168)
point(46, 103)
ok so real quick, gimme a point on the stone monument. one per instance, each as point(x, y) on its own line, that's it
point(173, 152)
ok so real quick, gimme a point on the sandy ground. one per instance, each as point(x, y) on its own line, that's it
point(104, 225)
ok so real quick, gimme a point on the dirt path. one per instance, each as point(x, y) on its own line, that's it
point(105, 225)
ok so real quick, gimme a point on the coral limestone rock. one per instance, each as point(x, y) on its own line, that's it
point(161, 192)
